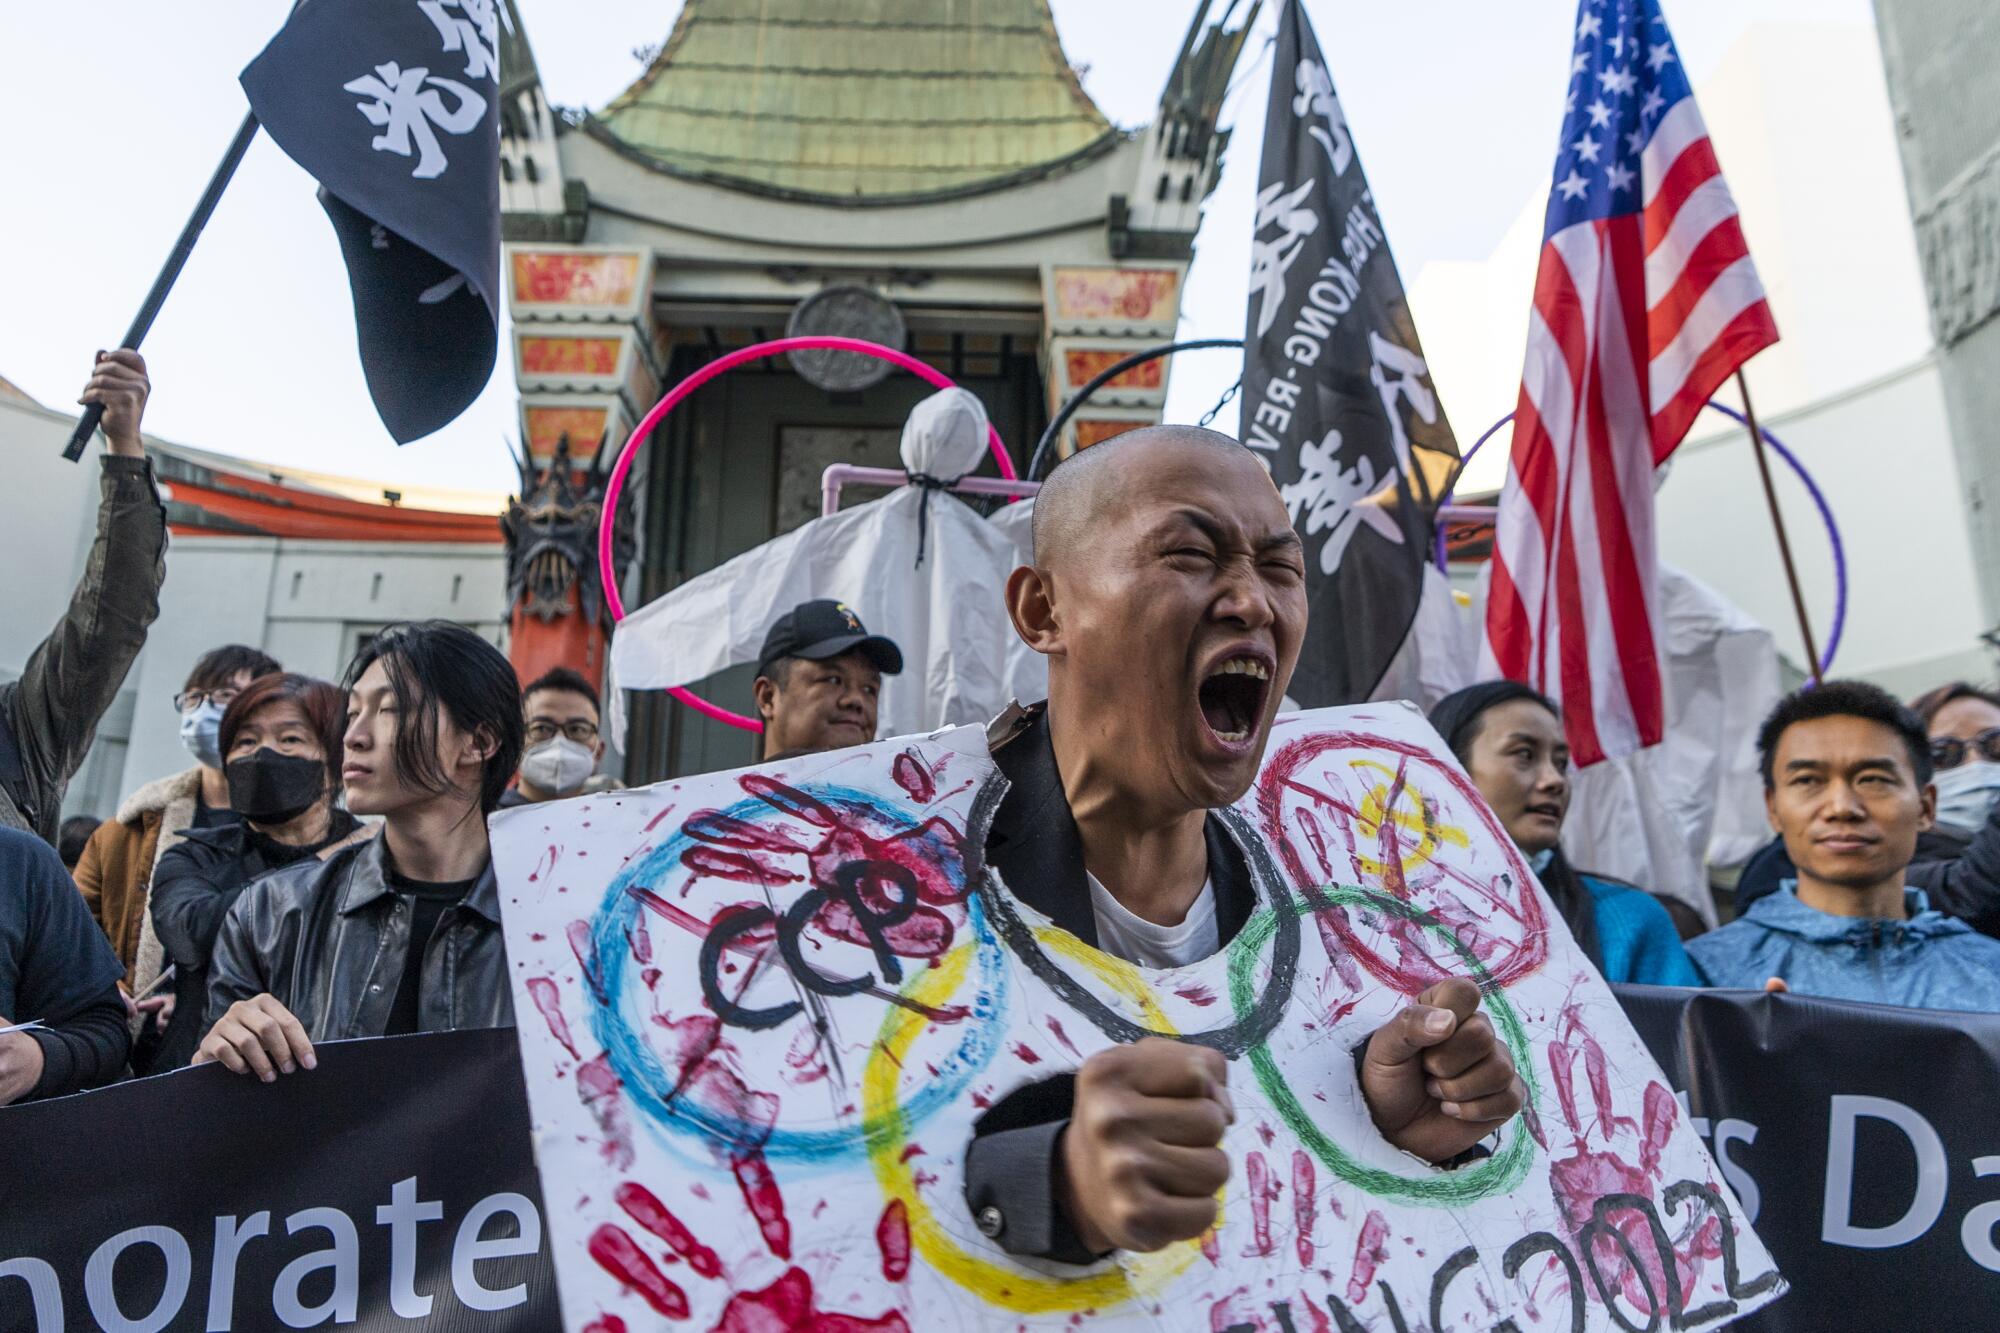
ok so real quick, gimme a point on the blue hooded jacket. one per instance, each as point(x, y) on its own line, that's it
point(1930, 961)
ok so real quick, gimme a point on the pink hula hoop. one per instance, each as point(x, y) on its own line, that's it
point(722, 365)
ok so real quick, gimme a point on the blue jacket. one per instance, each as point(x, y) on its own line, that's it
point(1637, 937)
point(1930, 961)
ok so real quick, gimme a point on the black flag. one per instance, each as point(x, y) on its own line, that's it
point(393, 106)
point(1337, 399)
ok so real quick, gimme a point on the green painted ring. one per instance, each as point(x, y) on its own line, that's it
point(1498, 1174)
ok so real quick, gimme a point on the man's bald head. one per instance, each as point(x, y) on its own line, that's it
point(1168, 594)
point(1073, 495)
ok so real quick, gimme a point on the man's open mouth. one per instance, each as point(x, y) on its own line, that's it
point(1232, 698)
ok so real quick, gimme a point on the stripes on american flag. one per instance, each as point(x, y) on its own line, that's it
point(1645, 301)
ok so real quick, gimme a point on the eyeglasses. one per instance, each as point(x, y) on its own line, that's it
point(583, 733)
point(189, 700)
point(1950, 751)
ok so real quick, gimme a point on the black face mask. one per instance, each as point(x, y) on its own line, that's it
point(266, 787)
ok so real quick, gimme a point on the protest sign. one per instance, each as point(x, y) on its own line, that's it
point(447, 1112)
point(763, 1010)
point(391, 1188)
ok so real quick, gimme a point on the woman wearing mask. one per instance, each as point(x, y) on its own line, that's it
point(1964, 726)
point(118, 863)
point(281, 745)
point(1510, 740)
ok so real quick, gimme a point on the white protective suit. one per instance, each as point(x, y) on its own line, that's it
point(1661, 817)
point(948, 614)
point(1440, 653)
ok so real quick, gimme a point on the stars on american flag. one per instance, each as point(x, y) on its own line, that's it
point(1620, 52)
point(1618, 80)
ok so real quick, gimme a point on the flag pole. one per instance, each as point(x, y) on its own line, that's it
point(1778, 524)
point(170, 271)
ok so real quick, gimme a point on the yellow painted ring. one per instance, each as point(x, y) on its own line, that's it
point(1009, 1288)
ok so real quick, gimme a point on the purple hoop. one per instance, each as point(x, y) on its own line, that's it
point(1791, 460)
point(722, 365)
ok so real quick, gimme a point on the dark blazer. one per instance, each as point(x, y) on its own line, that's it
point(1013, 1165)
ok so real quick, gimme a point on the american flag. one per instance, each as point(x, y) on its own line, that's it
point(1645, 301)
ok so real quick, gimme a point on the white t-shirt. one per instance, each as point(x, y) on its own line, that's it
point(1138, 940)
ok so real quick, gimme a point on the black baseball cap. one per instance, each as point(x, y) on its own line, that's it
point(824, 628)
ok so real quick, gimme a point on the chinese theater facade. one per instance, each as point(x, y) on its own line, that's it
point(932, 177)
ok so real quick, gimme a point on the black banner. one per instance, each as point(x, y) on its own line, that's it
point(394, 107)
point(1862, 1141)
point(1337, 398)
point(393, 1187)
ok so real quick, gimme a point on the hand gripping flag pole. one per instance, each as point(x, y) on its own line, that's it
point(170, 271)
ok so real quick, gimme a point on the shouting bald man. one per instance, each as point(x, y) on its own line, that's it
point(1168, 594)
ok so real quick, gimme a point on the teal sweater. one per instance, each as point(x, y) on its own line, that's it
point(1637, 937)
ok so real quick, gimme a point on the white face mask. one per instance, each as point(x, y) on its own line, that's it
point(1966, 794)
point(201, 733)
point(558, 766)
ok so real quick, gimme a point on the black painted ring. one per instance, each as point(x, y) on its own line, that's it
point(1232, 1040)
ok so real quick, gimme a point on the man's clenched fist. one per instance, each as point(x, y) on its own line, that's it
point(1141, 1152)
point(1435, 1077)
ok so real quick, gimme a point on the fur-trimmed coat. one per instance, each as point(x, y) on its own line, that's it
point(115, 875)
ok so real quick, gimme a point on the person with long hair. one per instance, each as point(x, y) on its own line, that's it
point(400, 933)
point(280, 746)
point(1510, 739)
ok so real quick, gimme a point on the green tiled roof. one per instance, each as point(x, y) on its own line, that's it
point(858, 98)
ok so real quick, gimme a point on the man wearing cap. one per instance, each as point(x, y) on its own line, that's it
point(819, 675)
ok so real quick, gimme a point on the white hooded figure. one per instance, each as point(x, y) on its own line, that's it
point(919, 565)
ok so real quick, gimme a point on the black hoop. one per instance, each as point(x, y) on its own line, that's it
point(1104, 377)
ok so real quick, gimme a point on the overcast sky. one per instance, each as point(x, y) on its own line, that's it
point(122, 107)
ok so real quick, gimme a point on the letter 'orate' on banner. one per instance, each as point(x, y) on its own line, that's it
point(762, 1010)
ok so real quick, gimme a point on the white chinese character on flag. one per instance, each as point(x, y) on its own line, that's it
point(475, 30)
point(406, 110)
point(1270, 260)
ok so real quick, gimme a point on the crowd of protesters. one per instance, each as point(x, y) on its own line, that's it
point(321, 870)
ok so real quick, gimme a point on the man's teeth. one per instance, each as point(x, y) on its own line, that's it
point(1243, 666)
point(1231, 737)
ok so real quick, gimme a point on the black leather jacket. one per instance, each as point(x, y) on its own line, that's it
point(328, 940)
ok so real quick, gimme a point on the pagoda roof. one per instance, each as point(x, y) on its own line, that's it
point(211, 495)
point(859, 100)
